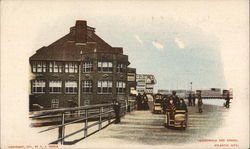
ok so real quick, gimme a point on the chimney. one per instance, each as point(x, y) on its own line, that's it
point(81, 32)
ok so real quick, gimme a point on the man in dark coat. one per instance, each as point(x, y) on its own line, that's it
point(189, 99)
point(200, 103)
point(175, 98)
point(227, 100)
point(193, 97)
point(139, 101)
point(164, 104)
point(145, 102)
point(116, 107)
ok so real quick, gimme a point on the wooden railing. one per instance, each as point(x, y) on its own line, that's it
point(98, 114)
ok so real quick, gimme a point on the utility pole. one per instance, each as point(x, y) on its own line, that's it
point(191, 85)
point(79, 82)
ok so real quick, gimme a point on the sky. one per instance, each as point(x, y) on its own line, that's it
point(174, 52)
point(177, 42)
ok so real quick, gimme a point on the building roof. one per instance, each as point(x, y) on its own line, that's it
point(81, 39)
point(131, 70)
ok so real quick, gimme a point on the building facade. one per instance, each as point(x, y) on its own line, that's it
point(78, 69)
point(145, 83)
point(131, 80)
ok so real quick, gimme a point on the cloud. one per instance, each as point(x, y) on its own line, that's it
point(138, 39)
point(179, 43)
point(157, 45)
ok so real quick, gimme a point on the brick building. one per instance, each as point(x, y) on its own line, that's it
point(78, 69)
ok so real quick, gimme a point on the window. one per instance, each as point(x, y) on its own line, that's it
point(55, 86)
point(87, 67)
point(121, 68)
point(87, 86)
point(54, 103)
point(120, 87)
point(38, 66)
point(70, 87)
point(104, 87)
point(105, 67)
point(55, 67)
point(38, 86)
point(71, 67)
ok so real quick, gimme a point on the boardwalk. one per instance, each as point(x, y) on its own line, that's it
point(143, 127)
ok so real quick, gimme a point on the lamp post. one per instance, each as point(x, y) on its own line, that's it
point(191, 85)
point(79, 81)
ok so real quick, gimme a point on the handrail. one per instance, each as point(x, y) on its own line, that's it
point(46, 112)
point(78, 120)
point(103, 112)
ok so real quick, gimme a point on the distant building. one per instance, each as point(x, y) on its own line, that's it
point(78, 69)
point(209, 92)
point(131, 80)
point(179, 92)
point(164, 92)
point(145, 83)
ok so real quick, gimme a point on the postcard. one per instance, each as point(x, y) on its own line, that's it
point(124, 74)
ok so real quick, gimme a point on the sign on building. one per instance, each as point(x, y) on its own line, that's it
point(131, 77)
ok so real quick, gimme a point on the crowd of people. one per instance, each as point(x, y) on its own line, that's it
point(142, 102)
point(169, 103)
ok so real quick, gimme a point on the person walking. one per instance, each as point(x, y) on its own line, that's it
point(227, 100)
point(145, 102)
point(116, 107)
point(139, 101)
point(164, 104)
point(193, 98)
point(189, 99)
point(200, 103)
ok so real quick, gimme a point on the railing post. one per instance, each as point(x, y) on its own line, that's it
point(124, 109)
point(100, 117)
point(109, 115)
point(86, 124)
point(121, 112)
point(61, 129)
